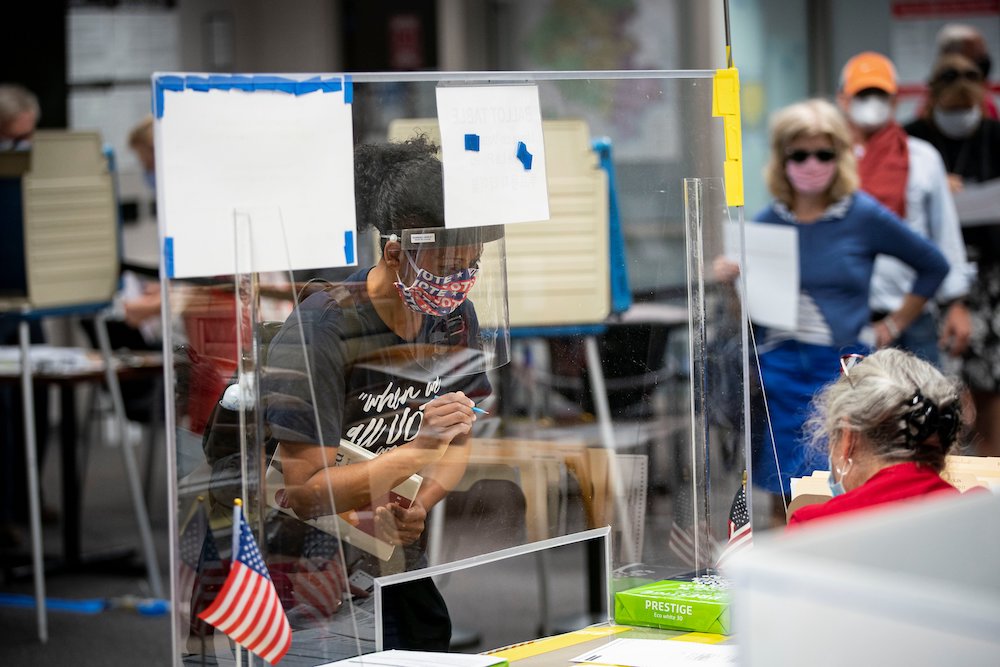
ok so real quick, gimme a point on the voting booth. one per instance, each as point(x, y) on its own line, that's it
point(297, 382)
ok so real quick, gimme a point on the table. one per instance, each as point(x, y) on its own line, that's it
point(559, 650)
point(131, 366)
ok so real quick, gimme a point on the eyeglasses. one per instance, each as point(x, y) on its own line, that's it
point(848, 362)
point(953, 75)
point(823, 155)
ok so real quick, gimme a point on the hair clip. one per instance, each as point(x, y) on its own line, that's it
point(924, 418)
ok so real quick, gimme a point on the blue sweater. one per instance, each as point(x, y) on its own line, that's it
point(837, 253)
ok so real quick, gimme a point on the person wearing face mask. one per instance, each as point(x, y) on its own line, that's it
point(812, 175)
point(885, 426)
point(907, 176)
point(967, 41)
point(970, 147)
point(369, 374)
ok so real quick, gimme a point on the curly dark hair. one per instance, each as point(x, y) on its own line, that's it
point(398, 185)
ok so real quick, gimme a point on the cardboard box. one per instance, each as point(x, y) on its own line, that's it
point(699, 605)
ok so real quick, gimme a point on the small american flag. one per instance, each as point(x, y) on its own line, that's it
point(692, 549)
point(248, 609)
point(202, 572)
point(740, 531)
point(191, 542)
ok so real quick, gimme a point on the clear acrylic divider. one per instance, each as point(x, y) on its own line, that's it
point(720, 440)
point(631, 422)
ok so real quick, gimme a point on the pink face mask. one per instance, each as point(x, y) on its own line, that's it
point(811, 177)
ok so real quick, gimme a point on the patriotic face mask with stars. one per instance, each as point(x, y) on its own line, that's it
point(435, 295)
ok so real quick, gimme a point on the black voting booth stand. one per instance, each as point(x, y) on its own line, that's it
point(58, 216)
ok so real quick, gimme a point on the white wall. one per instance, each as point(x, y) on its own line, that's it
point(268, 36)
point(857, 25)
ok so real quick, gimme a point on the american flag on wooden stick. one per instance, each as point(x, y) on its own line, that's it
point(248, 609)
point(740, 530)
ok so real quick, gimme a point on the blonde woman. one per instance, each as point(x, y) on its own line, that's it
point(813, 178)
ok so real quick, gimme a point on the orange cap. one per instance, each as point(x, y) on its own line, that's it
point(868, 70)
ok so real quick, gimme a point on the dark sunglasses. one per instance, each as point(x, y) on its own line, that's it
point(823, 155)
point(953, 75)
point(847, 362)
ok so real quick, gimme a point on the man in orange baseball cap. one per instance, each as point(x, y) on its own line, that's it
point(868, 70)
point(908, 176)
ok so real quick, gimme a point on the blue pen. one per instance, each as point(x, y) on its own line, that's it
point(478, 411)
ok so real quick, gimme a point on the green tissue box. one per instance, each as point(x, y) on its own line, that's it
point(699, 605)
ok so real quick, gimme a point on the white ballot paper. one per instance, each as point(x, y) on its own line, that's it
point(659, 652)
point(772, 272)
point(397, 658)
point(493, 154)
point(979, 203)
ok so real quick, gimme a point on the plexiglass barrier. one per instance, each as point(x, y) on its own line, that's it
point(328, 399)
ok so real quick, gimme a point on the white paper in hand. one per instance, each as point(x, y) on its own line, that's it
point(771, 273)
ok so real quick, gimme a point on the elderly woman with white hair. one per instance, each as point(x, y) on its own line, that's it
point(812, 175)
point(886, 426)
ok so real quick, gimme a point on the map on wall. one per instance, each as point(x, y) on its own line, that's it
point(606, 35)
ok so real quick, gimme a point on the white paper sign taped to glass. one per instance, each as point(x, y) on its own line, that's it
point(493, 154)
point(356, 526)
point(277, 148)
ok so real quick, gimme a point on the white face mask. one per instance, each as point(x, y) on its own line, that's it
point(869, 112)
point(958, 124)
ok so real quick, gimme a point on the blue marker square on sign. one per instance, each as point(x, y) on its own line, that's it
point(523, 155)
point(472, 142)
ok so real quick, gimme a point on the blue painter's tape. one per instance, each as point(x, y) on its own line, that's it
point(164, 83)
point(249, 84)
point(238, 82)
point(524, 156)
point(198, 83)
point(220, 82)
point(332, 85)
point(349, 246)
point(277, 83)
point(472, 142)
point(308, 86)
point(168, 256)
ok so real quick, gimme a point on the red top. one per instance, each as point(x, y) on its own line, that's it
point(902, 481)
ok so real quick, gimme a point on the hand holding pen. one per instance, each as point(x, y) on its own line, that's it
point(446, 417)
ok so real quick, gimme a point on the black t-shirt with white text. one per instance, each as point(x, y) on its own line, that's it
point(368, 388)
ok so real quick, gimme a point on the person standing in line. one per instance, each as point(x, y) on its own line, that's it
point(812, 175)
point(970, 147)
point(967, 41)
point(908, 177)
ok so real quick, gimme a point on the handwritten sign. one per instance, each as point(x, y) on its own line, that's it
point(494, 155)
